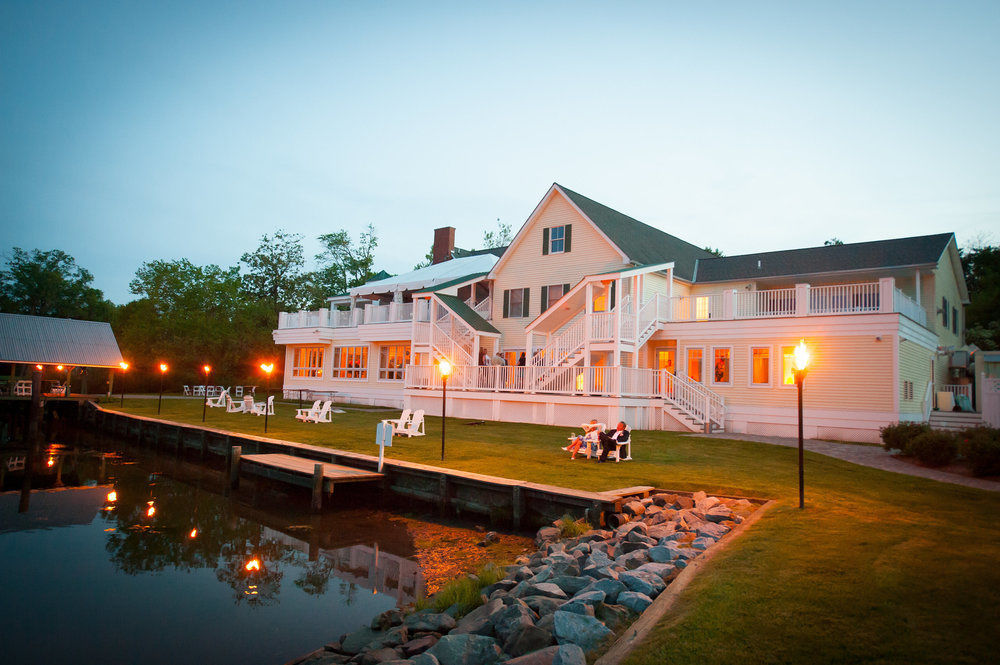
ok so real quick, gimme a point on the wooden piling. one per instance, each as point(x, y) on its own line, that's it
point(317, 487)
point(443, 494)
point(517, 506)
point(234, 467)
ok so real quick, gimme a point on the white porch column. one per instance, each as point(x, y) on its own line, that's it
point(916, 278)
point(617, 323)
point(729, 304)
point(587, 323)
point(801, 300)
point(397, 296)
point(886, 285)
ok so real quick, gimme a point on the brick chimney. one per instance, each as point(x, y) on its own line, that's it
point(444, 243)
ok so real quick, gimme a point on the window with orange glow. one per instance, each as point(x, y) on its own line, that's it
point(694, 364)
point(760, 366)
point(307, 361)
point(721, 365)
point(393, 361)
point(601, 303)
point(787, 365)
point(350, 362)
point(701, 307)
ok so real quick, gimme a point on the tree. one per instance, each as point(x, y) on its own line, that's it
point(50, 283)
point(833, 241)
point(428, 259)
point(342, 264)
point(713, 251)
point(502, 236)
point(981, 265)
point(274, 271)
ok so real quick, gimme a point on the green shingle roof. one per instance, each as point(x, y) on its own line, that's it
point(898, 252)
point(642, 243)
point(466, 313)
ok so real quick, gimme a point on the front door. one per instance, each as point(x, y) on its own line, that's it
point(665, 359)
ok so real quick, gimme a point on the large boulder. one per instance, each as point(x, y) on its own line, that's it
point(634, 508)
point(637, 583)
point(611, 589)
point(424, 659)
point(542, 605)
point(418, 645)
point(528, 639)
point(661, 570)
point(354, 642)
point(569, 654)
point(387, 619)
point(601, 573)
point(632, 560)
point(702, 543)
point(637, 602)
point(541, 589)
point(465, 650)
point(718, 514)
point(664, 553)
point(712, 530)
point(546, 534)
point(571, 584)
point(512, 619)
point(662, 499)
point(577, 607)
point(430, 623)
point(581, 630)
point(390, 638)
point(544, 656)
point(684, 502)
point(628, 527)
point(590, 597)
point(377, 656)
point(631, 546)
point(595, 534)
point(478, 620)
point(613, 616)
point(598, 558)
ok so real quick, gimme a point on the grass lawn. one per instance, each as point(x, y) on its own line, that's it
point(880, 567)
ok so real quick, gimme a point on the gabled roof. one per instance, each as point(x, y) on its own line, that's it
point(642, 243)
point(466, 313)
point(51, 341)
point(895, 253)
point(459, 280)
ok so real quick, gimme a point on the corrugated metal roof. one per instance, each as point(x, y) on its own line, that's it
point(41, 339)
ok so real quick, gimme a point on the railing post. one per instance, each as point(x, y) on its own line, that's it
point(729, 305)
point(801, 300)
point(708, 414)
point(885, 289)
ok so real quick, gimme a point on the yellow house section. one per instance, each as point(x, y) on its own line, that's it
point(845, 372)
point(945, 286)
point(525, 266)
point(915, 370)
point(654, 284)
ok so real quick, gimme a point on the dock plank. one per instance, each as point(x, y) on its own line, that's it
point(335, 473)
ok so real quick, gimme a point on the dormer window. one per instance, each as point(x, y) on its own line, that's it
point(556, 239)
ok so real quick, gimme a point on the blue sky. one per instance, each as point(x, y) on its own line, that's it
point(131, 131)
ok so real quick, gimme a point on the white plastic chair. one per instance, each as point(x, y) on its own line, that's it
point(199, 391)
point(415, 427)
point(260, 408)
point(218, 402)
point(304, 414)
point(239, 391)
point(233, 407)
point(187, 390)
point(400, 423)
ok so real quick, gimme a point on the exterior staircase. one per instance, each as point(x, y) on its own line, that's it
point(954, 421)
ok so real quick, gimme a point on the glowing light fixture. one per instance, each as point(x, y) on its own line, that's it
point(267, 368)
point(112, 496)
point(59, 367)
point(799, 368)
point(204, 405)
point(801, 355)
point(150, 509)
point(39, 368)
point(252, 566)
point(51, 461)
point(193, 533)
point(444, 366)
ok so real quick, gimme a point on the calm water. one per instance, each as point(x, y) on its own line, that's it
point(157, 573)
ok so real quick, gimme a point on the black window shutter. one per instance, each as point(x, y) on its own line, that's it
point(545, 240)
point(545, 298)
point(524, 307)
point(612, 306)
point(568, 237)
point(506, 303)
point(565, 289)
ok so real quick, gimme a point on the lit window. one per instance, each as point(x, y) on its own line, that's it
point(721, 365)
point(694, 364)
point(760, 366)
point(393, 362)
point(557, 239)
point(307, 361)
point(350, 362)
point(787, 365)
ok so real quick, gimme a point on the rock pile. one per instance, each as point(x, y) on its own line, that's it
point(563, 601)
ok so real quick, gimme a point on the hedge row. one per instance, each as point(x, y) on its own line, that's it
point(979, 446)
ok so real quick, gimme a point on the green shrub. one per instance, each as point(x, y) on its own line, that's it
point(466, 592)
point(571, 528)
point(900, 435)
point(934, 448)
point(981, 448)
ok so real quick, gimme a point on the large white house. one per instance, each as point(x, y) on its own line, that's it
point(618, 320)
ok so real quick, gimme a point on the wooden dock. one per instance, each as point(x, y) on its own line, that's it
point(322, 477)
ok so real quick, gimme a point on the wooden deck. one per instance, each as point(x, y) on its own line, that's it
point(278, 465)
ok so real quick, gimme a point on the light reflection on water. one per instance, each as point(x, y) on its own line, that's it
point(125, 556)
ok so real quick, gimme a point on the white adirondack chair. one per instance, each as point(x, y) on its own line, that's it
point(303, 414)
point(322, 415)
point(187, 390)
point(617, 452)
point(233, 407)
point(199, 391)
point(400, 423)
point(239, 391)
point(218, 402)
point(415, 426)
point(260, 408)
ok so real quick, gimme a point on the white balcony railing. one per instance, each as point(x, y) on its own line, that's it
point(907, 306)
point(395, 312)
point(844, 298)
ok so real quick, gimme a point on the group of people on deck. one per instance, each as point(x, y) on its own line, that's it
point(498, 359)
point(594, 437)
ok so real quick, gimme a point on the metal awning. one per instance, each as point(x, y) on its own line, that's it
point(49, 341)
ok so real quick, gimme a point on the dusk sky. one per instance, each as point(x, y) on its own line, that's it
point(132, 131)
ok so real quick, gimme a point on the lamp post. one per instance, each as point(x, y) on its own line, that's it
point(124, 366)
point(445, 368)
point(267, 368)
point(799, 369)
point(159, 402)
point(207, 369)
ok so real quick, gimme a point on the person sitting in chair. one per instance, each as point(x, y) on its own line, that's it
point(589, 436)
point(613, 440)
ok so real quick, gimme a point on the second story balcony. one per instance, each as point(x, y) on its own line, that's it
point(396, 312)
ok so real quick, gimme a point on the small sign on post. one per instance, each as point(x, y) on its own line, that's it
point(383, 439)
